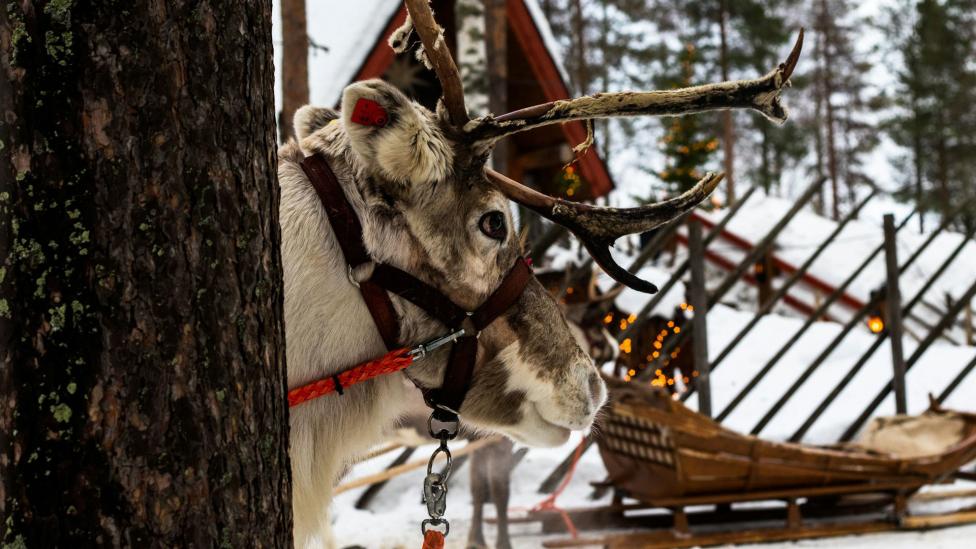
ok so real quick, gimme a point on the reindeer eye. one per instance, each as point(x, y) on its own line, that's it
point(493, 225)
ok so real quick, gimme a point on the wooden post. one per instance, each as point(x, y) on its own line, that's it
point(969, 328)
point(699, 300)
point(763, 272)
point(893, 312)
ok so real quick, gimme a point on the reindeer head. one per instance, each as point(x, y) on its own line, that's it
point(430, 206)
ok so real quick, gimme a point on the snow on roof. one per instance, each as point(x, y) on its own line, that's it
point(545, 31)
point(349, 30)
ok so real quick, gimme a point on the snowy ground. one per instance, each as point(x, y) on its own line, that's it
point(394, 518)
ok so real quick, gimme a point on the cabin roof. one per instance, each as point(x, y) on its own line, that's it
point(356, 34)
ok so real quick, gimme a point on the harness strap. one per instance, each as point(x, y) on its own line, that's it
point(349, 234)
point(421, 294)
point(459, 372)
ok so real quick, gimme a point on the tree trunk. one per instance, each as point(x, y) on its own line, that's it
point(141, 331)
point(294, 64)
point(825, 24)
point(728, 135)
point(496, 51)
point(582, 71)
point(818, 94)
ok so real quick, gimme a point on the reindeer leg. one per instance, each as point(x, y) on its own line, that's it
point(500, 465)
point(479, 493)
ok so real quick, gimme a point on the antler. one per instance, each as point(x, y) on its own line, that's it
point(762, 94)
point(435, 48)
point(598, 227)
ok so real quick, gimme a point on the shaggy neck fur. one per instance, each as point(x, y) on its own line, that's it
point(329, 329)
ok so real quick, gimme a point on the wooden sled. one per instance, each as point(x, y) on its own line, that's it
point(664, 455)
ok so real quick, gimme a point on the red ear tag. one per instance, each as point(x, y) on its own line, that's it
point(369, 113)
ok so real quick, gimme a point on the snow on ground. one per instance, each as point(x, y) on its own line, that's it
point(858, 239)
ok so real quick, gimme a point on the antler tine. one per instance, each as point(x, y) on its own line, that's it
point(761, 94)
point(432, 37)
point(598, 227)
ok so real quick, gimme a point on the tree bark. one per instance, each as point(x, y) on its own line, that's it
point(818, 94)
point(496, 51)
point(728, 133)
point(142, 367)
point(294, 64)
point(828, 67)
point(579, 30)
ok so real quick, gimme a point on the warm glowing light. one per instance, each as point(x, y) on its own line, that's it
point(677, 329)
point(875, 324)
point(570, 290)
point(657, 345)
point(625, 345)
point(655, 354)
point(694, 373)
point(632, 318)
point(684, 306)
point(608, 319)
point(631, 373)
point(623, 323)
point(671, 381)
point(671, 322)
point(570, 191)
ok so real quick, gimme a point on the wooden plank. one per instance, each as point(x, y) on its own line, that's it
point(781, 293)
point(407, 467)
point(869, 352)
point(665, 540)
point(814, 317)
point(938, 521)
point(944, 322)
point(893, 310)
point(368, 494)
point(941, 496)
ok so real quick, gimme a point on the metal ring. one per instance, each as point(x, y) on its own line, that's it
point(445, 433)
point(433, 523)
point(442, 449)
point(352, 279)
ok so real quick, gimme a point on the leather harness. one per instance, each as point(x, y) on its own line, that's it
point(447, 399)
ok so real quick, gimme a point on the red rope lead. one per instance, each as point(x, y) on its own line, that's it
point(391, 362)
point(433, 540)
point(549, 504)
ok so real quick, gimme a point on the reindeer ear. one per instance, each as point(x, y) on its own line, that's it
point(308, 119)
point(394, 136)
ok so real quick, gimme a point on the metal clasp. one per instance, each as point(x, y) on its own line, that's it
point(435, 484)
point(422, 350)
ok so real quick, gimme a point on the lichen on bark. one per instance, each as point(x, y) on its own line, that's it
point(141, 346)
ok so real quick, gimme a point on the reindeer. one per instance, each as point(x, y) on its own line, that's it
point(418, 184)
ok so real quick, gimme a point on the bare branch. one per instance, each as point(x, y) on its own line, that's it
point(432, 37)
point(762, 94)
point(598, 227)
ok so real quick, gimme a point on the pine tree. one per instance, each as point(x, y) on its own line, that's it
point(687, 145)
point(934, 118)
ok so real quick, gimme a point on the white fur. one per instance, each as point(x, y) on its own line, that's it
point(409, 149)
point(329, 328)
